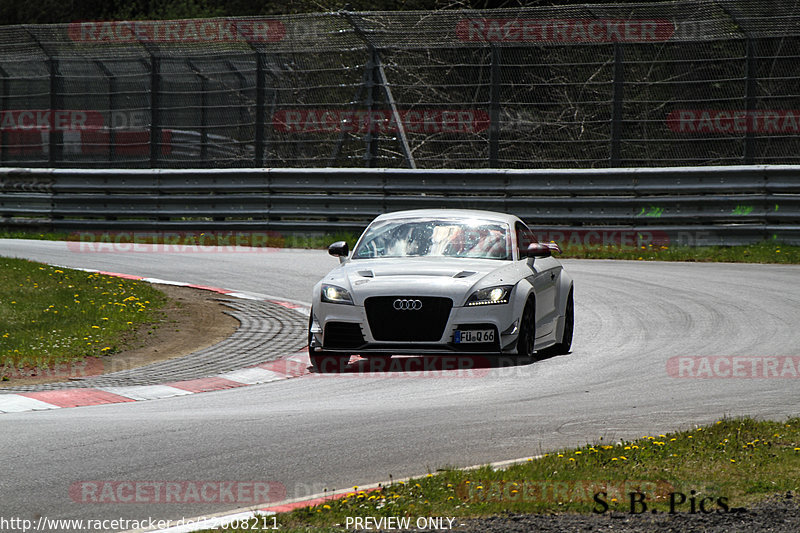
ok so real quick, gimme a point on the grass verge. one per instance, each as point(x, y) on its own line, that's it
point(763, 252)
point(51, 316)
point(731, 464)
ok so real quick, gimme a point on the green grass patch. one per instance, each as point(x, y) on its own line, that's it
point(762, 252)
point(51, 315)
point(731, 464)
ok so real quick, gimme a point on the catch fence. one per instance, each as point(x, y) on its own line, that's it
point(691, 82)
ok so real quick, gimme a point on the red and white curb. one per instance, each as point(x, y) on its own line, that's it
point(287, 367)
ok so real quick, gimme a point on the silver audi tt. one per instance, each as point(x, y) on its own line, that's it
point(440, 281)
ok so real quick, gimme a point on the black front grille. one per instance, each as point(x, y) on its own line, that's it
point(425, 324)
point(343, 335)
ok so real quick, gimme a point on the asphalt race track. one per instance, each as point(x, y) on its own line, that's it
point(337, 431)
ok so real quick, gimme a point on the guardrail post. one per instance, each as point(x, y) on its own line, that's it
point(261, 82)
point(494, 108)
point(618, 86)
point(155, 109)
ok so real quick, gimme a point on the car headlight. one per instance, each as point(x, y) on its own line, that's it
point(336, 295)
point(490, 296)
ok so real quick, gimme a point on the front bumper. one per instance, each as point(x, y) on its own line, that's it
point(340, 328)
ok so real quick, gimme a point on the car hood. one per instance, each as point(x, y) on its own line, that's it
point(420, 276)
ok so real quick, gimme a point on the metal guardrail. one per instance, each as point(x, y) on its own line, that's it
point(690, 205)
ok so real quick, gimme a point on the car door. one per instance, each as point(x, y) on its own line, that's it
point(544, 278)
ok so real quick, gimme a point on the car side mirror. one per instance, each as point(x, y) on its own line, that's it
point(555, 248)
point(537, 249)
point(339, 249)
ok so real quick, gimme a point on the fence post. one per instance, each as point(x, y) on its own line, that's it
point(371, 140)
point(750, 100)
point(56, 138)
point(494, 108)
point(261, 82)
point(112, 90)
point(203, 111)
point(748, 150)
point(618, 89)
point(3, 107)
point(155, 109)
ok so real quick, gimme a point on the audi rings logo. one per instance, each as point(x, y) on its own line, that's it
point(402, 304)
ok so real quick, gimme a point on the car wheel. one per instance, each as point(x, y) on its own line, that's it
point(563, 347)
point(527, 330)
point(325, 362)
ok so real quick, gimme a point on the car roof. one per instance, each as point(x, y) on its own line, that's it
point(450, 213)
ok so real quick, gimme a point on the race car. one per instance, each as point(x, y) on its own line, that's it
point(442, 281)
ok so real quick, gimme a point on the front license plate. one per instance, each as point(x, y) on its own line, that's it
point(473, 335)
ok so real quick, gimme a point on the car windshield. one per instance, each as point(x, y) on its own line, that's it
point(432, 237)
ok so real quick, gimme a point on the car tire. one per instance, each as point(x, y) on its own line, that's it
point(325, 362)
point(563, 347)
point(527, 331)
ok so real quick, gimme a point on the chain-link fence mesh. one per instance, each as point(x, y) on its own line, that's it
point(678, 83)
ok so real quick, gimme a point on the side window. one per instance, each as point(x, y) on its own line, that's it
point(524, 237)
